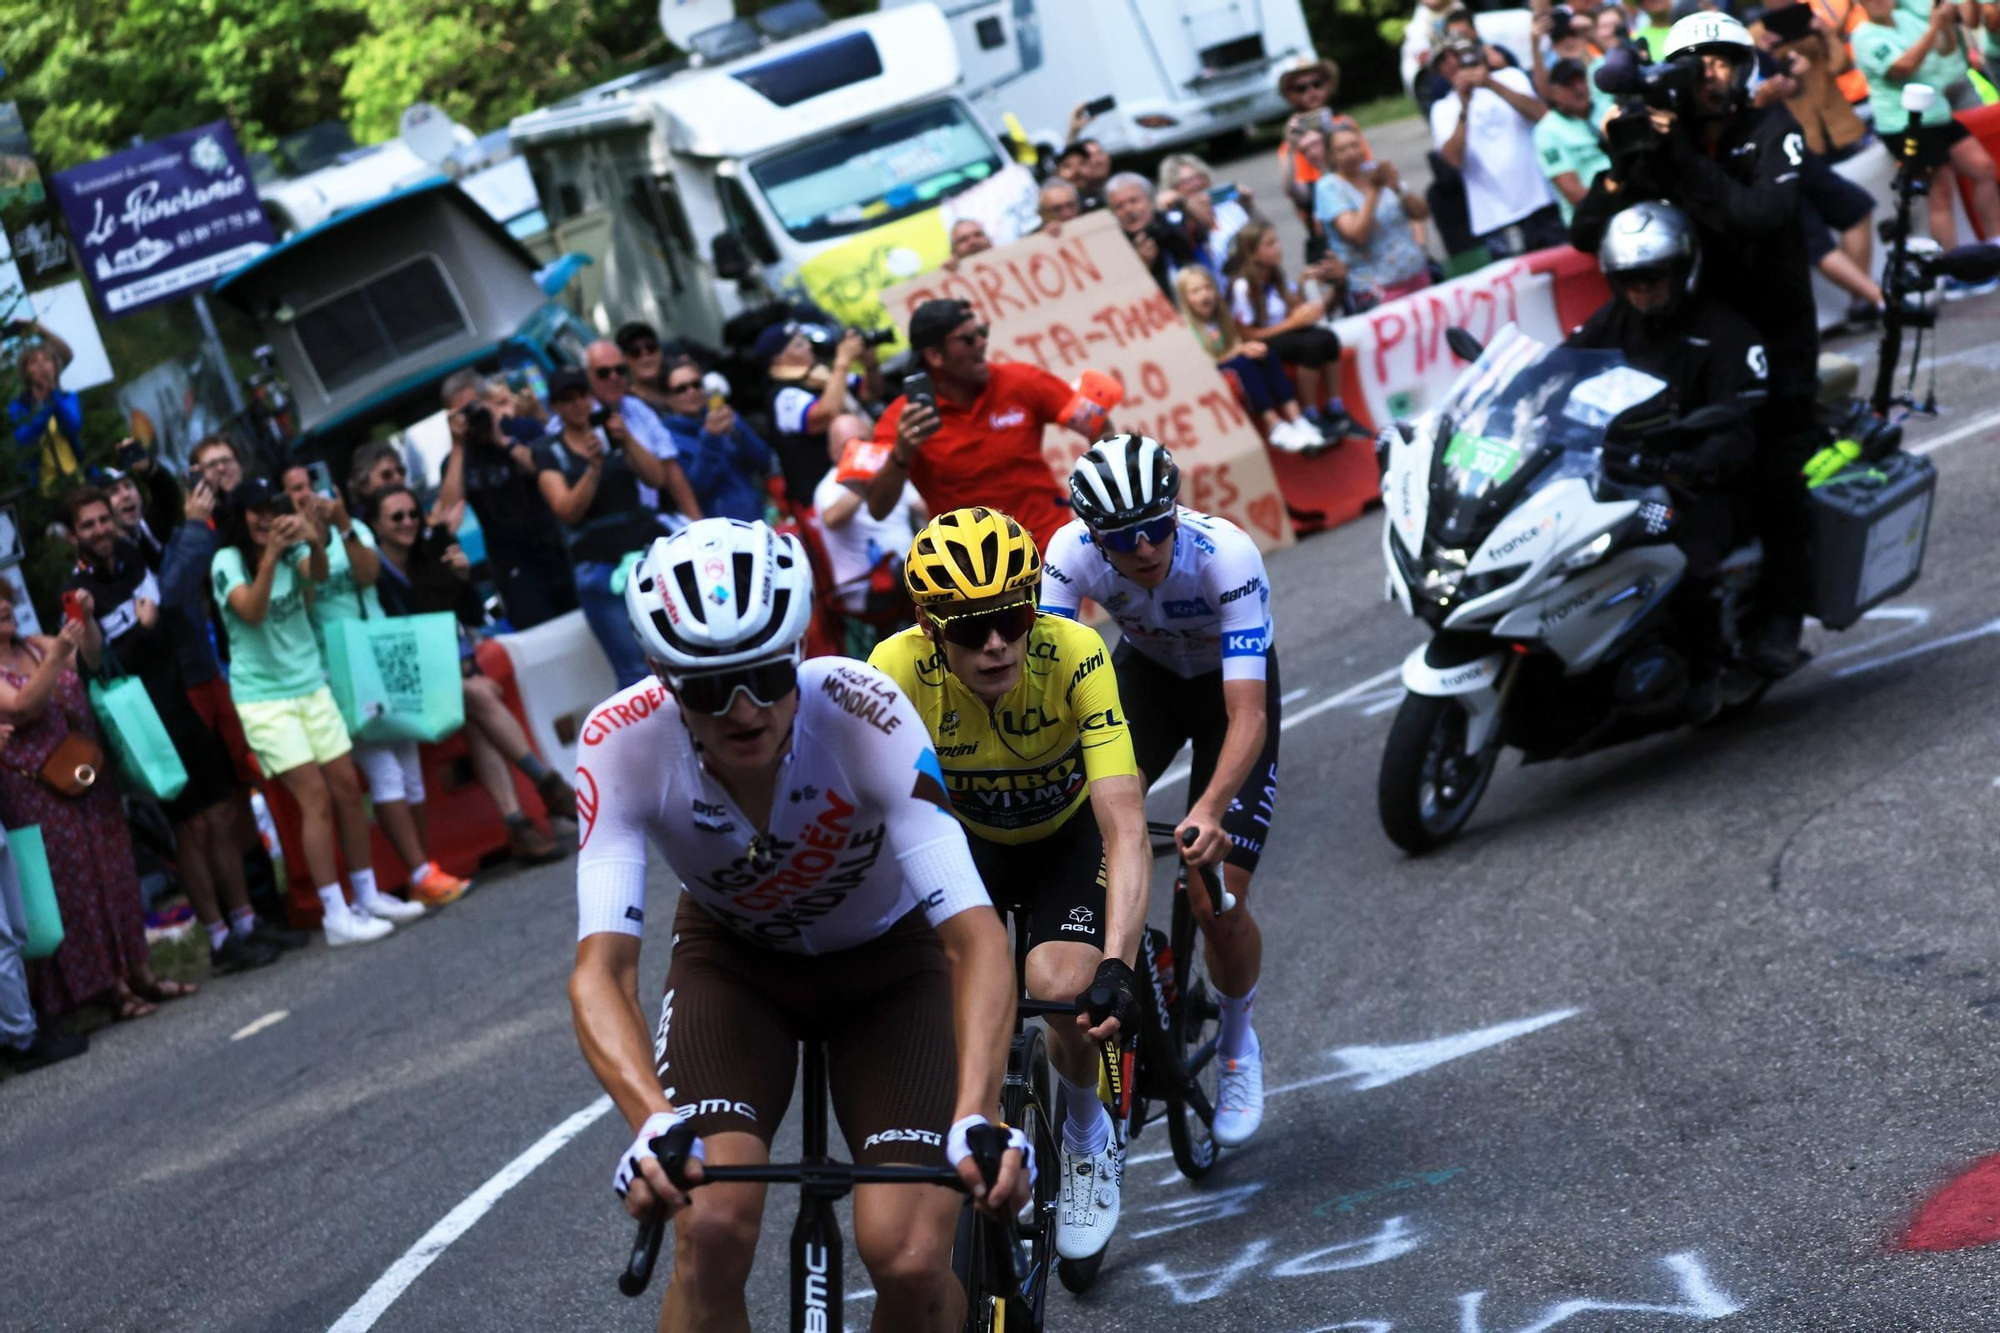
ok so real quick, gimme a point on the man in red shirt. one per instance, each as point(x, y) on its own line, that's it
point(981, 443)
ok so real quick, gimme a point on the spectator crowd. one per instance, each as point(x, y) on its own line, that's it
point(225, 598)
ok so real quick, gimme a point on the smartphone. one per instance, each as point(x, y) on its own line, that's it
point(599, 417)
point(1100, 106)
point(130, 454)
point(282, 505)
point(72, 606)
point(438, 540)
point(322, 480)
point(1222, 194)
point(918, 389)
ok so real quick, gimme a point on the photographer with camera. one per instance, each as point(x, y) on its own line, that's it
point(489, 469)
point(1161, 244)
point(1485, 128)
point(726, 462)
point(47, 419)
point(805, 397)
point(1687, 133)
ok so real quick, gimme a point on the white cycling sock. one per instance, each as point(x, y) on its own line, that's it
point(218, 931)
point(1086, 1127)
point(1237, 1038)
point(363, 882)
point(243, 921)
point(332, 899)
point(421, 873)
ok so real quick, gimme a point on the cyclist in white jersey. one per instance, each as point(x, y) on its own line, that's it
point(828, 895)
point(1195, 663)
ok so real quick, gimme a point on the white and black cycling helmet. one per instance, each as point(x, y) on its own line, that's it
point(720, 593)
point(1712, 33)
point(1651, 238)
point(1122, 480)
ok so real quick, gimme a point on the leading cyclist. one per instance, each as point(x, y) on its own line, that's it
point(827, 895)
point(1028, 727)
point(1195, 663)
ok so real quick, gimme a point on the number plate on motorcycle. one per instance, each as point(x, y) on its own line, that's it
point(1487, 456)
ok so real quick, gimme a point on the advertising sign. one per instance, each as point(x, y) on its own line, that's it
point(165, 219)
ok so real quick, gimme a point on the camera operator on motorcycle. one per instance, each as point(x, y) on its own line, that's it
point(1709, 356)
point(1698, 143)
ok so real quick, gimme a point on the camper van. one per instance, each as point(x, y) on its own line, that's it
point(788, 157)
point(1174, 71)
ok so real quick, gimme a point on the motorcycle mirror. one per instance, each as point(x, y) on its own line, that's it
point(1713, 417)
point(1466, 347)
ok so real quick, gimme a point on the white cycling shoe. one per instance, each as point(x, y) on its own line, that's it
point(384, 908)
point(1088, 1211)
point(1239, 1102)
point(352, 926)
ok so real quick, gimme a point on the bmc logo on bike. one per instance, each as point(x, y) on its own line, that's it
point(815, 1292)
point(931, 1137)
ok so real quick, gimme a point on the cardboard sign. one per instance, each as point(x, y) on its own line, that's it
point(1080, 301)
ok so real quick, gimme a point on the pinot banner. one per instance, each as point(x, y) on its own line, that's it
point(165, 219)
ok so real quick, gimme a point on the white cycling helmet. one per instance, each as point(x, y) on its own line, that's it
point(1122, 480)
point(720, 593)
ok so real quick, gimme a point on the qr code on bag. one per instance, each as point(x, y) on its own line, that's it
point(398, 661)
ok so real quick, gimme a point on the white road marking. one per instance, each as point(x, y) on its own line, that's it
point(1913, 618)
point(1951, 437)
point(1180, 769)
point(1378, 1066)
point(256, 1026)
point(375, 1302)
point(1949, 640)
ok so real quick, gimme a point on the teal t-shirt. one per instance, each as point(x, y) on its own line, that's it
point(1564, 143)
point(1876, 47)
point(279, 658)
point(339, 598)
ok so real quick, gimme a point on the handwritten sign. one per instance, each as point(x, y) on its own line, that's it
point(1083, 301)
point(164, 219)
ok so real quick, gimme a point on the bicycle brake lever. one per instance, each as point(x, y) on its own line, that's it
point(1221, 897)
point(645, 1252)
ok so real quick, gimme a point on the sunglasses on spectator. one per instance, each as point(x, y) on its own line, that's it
point(713, 692)
point(972, 629)
point(1308, 85)
point(620, 371)
point(685, 386)
point(646, 348)
point(1126, 540)
point(401, 516)
point(978, 335)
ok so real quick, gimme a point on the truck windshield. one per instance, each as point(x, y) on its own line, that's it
point(877, 172)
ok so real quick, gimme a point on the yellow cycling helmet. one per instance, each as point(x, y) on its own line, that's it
point(968, 555)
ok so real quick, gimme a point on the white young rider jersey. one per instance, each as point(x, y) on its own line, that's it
point(1212, 611)
point(861, 831)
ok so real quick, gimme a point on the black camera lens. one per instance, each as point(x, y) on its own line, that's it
point(878, 337)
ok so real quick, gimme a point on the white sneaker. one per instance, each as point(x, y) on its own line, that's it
point(1239, 1101)
point(349, 926)
point(1294, 436)
point(1088, 1213)
point(384, 908)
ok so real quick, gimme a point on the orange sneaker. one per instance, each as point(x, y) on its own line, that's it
point(438, 888)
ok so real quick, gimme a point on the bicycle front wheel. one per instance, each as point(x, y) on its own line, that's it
point(1194, 1026)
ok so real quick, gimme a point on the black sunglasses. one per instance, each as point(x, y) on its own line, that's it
point(972, 629)
point(608, 372)
point(978, 335)
point(713, 692)
point(642, 349)
point(684, 386)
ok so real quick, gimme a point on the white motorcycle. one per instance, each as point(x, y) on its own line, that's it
point(1525, 527)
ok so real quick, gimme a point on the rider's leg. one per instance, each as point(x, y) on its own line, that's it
point(1233, 948)
point(715, 1241)
point(903, 1234)
point(1061, 971)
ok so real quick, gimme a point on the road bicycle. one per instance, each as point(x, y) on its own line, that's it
point(818, 1303)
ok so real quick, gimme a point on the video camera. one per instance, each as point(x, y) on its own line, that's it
point(1666, 85)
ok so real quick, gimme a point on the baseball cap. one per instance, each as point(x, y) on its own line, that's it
point(567, 379)
point(253, 492)
point(1568, 71)
point(934, 321)
point(773, 340)
point(632, 331)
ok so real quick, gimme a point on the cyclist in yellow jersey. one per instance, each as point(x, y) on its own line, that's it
point(1024, 714)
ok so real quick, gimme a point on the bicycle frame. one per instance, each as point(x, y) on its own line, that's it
point(818, 1300)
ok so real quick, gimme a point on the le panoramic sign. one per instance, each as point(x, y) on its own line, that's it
point(164, 219)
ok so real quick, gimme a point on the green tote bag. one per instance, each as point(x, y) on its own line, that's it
point(145, 753)
point(38, 891)
point(397, 679)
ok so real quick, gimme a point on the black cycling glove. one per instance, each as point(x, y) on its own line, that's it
point(1113, 993)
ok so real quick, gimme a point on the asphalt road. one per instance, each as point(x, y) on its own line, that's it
point(1681, 1033)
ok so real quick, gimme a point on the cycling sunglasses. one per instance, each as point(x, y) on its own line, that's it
point(713, 692)
point(1126, 540)
point(975, 627)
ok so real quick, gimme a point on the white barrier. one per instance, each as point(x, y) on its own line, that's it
point(562, 674)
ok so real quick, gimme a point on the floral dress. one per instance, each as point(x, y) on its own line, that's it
point(90, 857)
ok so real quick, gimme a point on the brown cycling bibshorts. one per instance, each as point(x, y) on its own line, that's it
point(734, 1013)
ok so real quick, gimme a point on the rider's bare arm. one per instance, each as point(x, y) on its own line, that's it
point(1119, 804)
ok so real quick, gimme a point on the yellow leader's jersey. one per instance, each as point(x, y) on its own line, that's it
point(1018, 771)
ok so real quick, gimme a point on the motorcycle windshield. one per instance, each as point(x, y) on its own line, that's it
point(1523, 405)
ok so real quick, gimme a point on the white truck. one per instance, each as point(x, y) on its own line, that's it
point(1178, 70)
point(829, 164)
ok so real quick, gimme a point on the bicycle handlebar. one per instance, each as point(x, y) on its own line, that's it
point(1221, 897)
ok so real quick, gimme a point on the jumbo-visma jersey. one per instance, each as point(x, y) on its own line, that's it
point(1019, 771)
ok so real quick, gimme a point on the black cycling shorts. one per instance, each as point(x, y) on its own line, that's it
point(1165, 712)
point(735, 1012)
point(1057, 883)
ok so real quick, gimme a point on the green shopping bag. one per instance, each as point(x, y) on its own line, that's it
point(145, 753)
point(397, 679)
point(38, 890)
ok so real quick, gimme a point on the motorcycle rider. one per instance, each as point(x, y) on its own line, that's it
point(1664, 324)
point(1733, 169)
